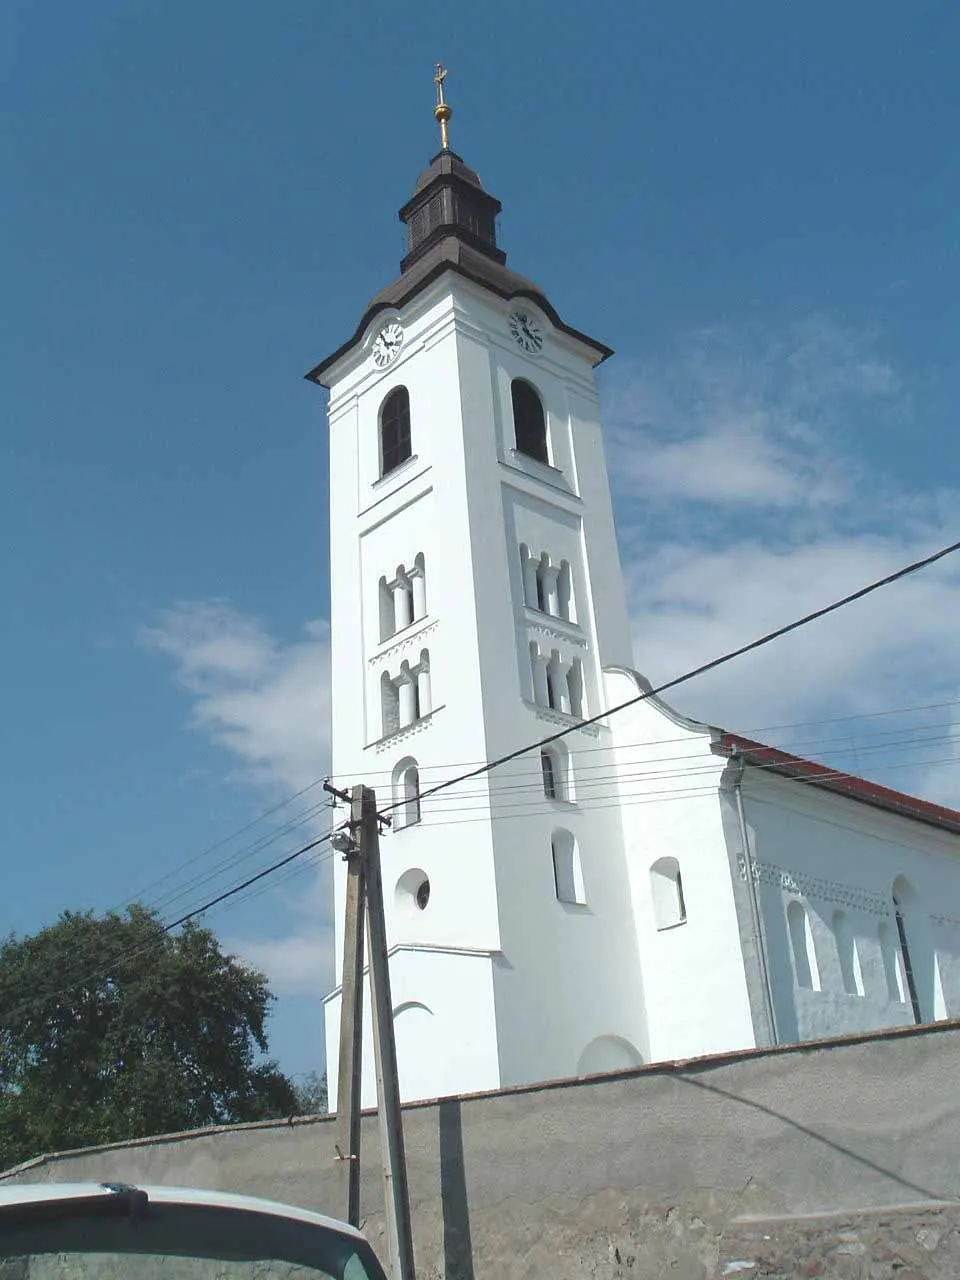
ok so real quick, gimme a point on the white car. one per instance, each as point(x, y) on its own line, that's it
point(111, 1231)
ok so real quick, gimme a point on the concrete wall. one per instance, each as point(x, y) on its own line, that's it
point(645, 1173)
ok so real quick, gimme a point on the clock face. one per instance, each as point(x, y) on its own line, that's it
point(387, 344)
point(525, 331)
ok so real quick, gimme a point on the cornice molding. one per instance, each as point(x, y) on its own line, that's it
point(406, 641)
point(401, 735)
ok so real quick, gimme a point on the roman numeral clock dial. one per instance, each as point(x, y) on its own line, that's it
point(387, 344)
point(525, 332)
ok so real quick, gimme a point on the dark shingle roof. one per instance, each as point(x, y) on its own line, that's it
point(451, 224)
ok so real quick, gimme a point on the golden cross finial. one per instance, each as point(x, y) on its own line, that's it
point(442, 111)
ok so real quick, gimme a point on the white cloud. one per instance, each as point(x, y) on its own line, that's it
point(299, 964)
point(743, 419)
point(692, 603)
point(266, 703)
point(742, 504)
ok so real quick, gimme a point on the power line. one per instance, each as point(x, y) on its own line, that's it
point(748, 732)
point(513, 812)
point(245, 884)
point(243, 854)
point(531, 771)
point(766, 639)
point(218, 844)
point(176, 893)
point(488, 766)
point(132, 953)
point(524, 798)
point(531, 780)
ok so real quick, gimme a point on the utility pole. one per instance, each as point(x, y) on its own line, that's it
point(360, 846)
point(351, 1012)
point(395, 1192)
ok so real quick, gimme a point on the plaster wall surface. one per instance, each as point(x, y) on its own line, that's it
point(838, 861)
point(576, 1178)
point(694, 980)
point(430, 989)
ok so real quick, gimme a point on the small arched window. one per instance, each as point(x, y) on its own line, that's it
point(575, 688)
point(848, 955)
point(418, 578)
point(801, 942)
point(891, 969)
point(394, 430)
point(529, 422)
point(556, 773)
point(389, 705)
point(406, 793)
point(388, 616)
point(669, 908)
point(567, 871)
point(903, 898)
point(565, 592)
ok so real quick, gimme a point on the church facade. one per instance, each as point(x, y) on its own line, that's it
point(642, 887)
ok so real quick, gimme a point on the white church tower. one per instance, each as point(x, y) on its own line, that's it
point(476, 597)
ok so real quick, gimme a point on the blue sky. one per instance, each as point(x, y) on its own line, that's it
point(754, 204)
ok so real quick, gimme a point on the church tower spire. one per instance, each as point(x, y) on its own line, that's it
point(443, 111)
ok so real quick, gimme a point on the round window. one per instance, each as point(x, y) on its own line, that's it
point(413, 890)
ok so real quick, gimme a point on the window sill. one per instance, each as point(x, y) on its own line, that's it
point(529, 460)
point(665, 928)
point(400, 638)
point(408, 730)
point(407, 826)
point(553, 622)
point(405, 465)
point(542, 472)
point(564, 718)
point(388, 486)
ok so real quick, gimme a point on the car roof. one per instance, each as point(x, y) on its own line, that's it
point(48, 1192)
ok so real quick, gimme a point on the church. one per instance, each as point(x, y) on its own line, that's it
point(643, 887)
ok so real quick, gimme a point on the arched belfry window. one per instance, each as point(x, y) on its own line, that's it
point(529, 422)
point(394, 430)
point(406, 793)
point(555, 770)
point(548, 767)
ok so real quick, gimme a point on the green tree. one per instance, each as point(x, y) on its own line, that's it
point(111, 1028)
point(312, 1096)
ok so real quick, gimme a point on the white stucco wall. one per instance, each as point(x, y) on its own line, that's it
point(444, 1023)
point(694, 983)
point(830, 854)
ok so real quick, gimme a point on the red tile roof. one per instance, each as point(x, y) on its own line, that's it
point(821, 775)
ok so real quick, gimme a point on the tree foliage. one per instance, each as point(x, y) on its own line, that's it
point(312, 1094)
point(111, 1028)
